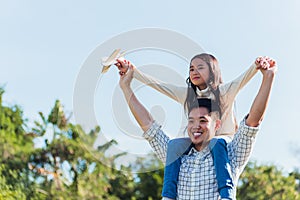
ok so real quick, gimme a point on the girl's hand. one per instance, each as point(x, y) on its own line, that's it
point(264, 62)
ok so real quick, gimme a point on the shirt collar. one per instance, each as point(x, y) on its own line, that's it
point(205, 93)
point(202, 93)
point(201, 153)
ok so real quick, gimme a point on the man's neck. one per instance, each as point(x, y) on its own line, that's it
point(200, 147)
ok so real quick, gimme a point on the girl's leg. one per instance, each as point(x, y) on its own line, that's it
point(176, 148)
point(218, 147)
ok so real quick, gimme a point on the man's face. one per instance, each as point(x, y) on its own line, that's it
point(201, 127)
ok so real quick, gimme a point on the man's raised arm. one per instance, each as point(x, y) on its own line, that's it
point(260, 103)
point(140, 113)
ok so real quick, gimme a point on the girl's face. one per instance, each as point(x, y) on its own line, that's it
point(199, 73)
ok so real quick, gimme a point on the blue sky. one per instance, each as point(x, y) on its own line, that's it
point(45, 43)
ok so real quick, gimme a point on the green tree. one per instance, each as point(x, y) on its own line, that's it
point(16, 146)
point(68, 166)
point(296, 172)
point(149, 180)
point(266, 183)
point(122, 184)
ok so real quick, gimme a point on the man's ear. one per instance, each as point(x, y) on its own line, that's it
point(218, 124)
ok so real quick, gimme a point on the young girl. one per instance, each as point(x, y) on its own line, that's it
point(204, 82)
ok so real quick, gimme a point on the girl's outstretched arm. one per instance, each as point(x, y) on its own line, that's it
point(233, 87)
point(175, 92)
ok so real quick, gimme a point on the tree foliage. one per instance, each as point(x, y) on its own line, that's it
point(68, 165)
point(150, 177)
point(267, 182)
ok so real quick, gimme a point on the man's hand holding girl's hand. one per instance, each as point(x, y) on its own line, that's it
point(264, 62)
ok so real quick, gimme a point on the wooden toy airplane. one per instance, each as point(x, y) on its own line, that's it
point(111, 60)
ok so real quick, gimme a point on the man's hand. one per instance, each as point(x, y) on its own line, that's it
point(125, 77)
point(269, 72)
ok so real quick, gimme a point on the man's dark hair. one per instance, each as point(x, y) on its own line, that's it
point(211, 105)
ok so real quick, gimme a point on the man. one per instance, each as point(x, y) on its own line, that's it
point(197, 178)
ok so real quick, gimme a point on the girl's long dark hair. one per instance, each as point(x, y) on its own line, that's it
point(213, 82)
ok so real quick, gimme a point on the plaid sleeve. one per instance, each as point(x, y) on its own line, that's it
point(158, 140)
point(241, 147)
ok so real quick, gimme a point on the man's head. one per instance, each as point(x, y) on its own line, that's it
point(203, 122)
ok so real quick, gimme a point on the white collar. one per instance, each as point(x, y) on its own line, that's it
point(203, 93)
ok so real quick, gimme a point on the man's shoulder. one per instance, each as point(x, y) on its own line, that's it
point(245, 129)
point(151, 132)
